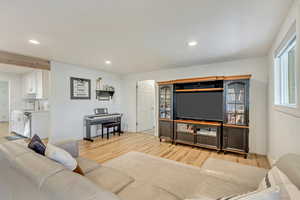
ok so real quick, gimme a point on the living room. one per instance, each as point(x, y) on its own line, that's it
point(129, 143)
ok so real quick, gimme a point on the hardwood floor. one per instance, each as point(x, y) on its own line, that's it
point(104, 150)
point(4, 129)
point(4, 126)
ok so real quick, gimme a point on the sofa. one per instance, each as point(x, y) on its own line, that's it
point(26, 175)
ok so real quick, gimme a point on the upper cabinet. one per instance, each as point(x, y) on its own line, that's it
point(36, 82)
point(236, 99)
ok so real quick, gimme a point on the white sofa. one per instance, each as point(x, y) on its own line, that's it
point(25, 175)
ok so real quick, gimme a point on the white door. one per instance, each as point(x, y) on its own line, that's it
point(145, 105)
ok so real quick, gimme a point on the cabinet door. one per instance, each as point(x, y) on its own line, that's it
point(166, 129)
point(46, 84)
point(39, 84)
point(30, 82)
point(236, 98)
point(235, 139)
point(166, 102)
point(42, 84)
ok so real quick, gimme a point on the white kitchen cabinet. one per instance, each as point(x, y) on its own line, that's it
point(36, 82)
point(40, 124)
point(29, 83)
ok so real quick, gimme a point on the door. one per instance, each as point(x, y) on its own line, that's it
point(236, 139)
point(145, 106)
point(166, 129)
point(236, 102)
point(166, 102)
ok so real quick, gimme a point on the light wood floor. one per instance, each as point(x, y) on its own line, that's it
point(104, 150)
point(4, 131)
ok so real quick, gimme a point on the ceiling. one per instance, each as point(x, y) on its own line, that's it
point(141, 35)
point(14, 69)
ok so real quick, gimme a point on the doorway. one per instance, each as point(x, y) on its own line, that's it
point(4, 108)
point(145, 122)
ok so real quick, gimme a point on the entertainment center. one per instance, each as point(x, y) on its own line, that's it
point(210, 112)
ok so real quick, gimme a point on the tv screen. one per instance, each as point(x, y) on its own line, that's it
point(200, 105)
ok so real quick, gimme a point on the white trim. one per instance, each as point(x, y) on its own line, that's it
point(281, 74)
point(288, 45)
point(293, 111)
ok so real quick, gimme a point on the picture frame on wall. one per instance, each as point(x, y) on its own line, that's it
point(80, 88)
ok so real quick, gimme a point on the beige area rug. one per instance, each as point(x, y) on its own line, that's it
point(183, 180)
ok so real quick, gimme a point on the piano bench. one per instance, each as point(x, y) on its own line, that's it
point(111, 125)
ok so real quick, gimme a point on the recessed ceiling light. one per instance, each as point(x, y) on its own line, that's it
point(108, 62)
point(192, 43)
point(34, 42)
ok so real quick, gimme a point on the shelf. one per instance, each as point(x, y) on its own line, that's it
point(103, 92)
point(165, 119)
point(235, 126)
point(204, 79)
point(104, 95)
point(199, 122)
point(186, 132)
point(201, 90)
point(212, 136)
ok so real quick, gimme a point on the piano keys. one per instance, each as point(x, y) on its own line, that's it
point(97, 119)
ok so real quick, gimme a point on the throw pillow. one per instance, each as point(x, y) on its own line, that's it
point(272, 193)
point(61, 156)
point(37, 145)
point(78, 170)
point(275, 177)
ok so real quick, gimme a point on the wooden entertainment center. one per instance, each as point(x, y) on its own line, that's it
point(229, 132)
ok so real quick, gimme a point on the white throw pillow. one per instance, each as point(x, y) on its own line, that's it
point(61, 156)
point(272, 193)
point(275, 177)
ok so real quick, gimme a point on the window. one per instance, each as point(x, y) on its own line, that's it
point(285, 75)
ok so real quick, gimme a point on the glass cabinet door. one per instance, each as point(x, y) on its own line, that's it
point(165, 102)
point(235, 102)
point(168, 102)
point(162, 102)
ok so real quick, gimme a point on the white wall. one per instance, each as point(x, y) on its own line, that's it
point(258, 92)
point(66, 115)
point(4, 101)
point(15, 90)
point(284, 124)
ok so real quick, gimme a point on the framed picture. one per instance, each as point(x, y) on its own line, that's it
point(80, 88)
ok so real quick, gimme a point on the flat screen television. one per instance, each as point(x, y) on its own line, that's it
point(199, 105)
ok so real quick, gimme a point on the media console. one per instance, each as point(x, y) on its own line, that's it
point(209, 112)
